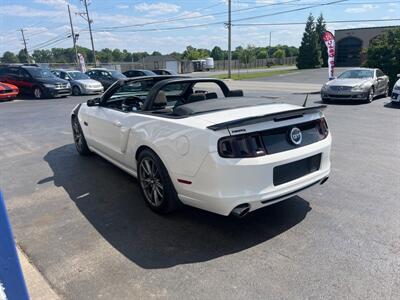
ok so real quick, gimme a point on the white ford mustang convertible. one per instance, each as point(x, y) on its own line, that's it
point(195, 141)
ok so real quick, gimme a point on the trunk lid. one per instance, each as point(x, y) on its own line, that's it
point(258, 118)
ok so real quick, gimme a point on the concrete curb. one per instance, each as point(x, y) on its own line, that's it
point(38, 287)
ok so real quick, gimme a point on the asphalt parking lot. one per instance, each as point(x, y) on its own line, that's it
point(83, 224)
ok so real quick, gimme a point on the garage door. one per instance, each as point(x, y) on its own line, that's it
point(172, 65)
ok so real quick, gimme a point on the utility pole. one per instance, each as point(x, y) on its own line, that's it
point(270, 38)
point(73, 37)
point(90, 27)
point(26, 49)
point(230, 39)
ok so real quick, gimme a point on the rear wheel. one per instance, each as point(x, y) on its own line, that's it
point(155, 184)
point(76, 91)
point(79, 138)
point(37, 92)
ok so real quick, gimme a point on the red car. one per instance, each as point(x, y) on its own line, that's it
point(8, 91)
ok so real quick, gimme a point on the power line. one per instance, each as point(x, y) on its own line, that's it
point(53, 43)
point(219, 22)
point(48, 42)
point(169, 20)
point(347, 3)
point(327, 22)
point(289, 11)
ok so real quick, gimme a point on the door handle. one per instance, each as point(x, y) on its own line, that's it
point(117, 123)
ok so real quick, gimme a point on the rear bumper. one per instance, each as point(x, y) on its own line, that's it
point(222, 184)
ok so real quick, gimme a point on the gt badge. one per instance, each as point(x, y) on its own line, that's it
point(295, 136)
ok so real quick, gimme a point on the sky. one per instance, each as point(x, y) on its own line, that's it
point(159, 25)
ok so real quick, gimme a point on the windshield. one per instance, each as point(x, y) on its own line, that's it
point(40, 73)
point(357, 74)
point(78, 75)
point(117, 75)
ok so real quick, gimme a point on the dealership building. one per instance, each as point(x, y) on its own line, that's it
point(352, 43)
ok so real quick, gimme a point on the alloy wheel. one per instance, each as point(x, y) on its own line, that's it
point(37, 93)
point(150, 181)
point(77, 133)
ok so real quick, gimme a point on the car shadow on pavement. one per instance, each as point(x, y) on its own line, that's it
point(110, 200)
point(392, 105)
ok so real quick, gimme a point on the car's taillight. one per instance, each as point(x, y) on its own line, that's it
point(241, 146)
point(323, 128)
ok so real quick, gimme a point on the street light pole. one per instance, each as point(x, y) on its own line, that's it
point(73, 37)
point(230, 39)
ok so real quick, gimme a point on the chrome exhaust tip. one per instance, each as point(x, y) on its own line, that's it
point(241, 210)
point(324, 180)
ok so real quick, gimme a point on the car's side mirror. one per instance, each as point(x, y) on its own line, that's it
point(235, 93)
point(93, 102)
point(398, 75)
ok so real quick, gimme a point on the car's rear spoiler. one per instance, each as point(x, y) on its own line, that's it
point(276, 117)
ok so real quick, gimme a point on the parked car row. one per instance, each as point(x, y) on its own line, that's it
point(40, 83)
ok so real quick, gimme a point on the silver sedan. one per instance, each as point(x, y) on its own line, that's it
point(81, 83)
point(356, 84)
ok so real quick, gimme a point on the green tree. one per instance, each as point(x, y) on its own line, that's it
point(384, 53)
point(105, 55)
point(22, 56)
point(309, 53)
point(127, 56)
point(117, 55)
point(280, 53)
point(320, 28)
point(42, 56)
point(156, 53)
point(9, 57)
point(217, 53)
point(138, 56)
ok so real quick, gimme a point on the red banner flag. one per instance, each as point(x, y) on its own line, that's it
point(329, 40)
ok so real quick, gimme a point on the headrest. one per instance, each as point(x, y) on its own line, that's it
point(161, 99)
point(196, 97)
point(212, 95)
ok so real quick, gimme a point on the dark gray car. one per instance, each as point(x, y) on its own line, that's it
point(356, 84)
point(105, 77)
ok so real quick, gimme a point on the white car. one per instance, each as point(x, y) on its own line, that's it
point(396, 91)
point(194, 141)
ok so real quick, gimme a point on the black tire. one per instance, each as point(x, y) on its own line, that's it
point(155, 184)
point(79, 138)
point(37, 92)
point(76, 91)
point(371, 94)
